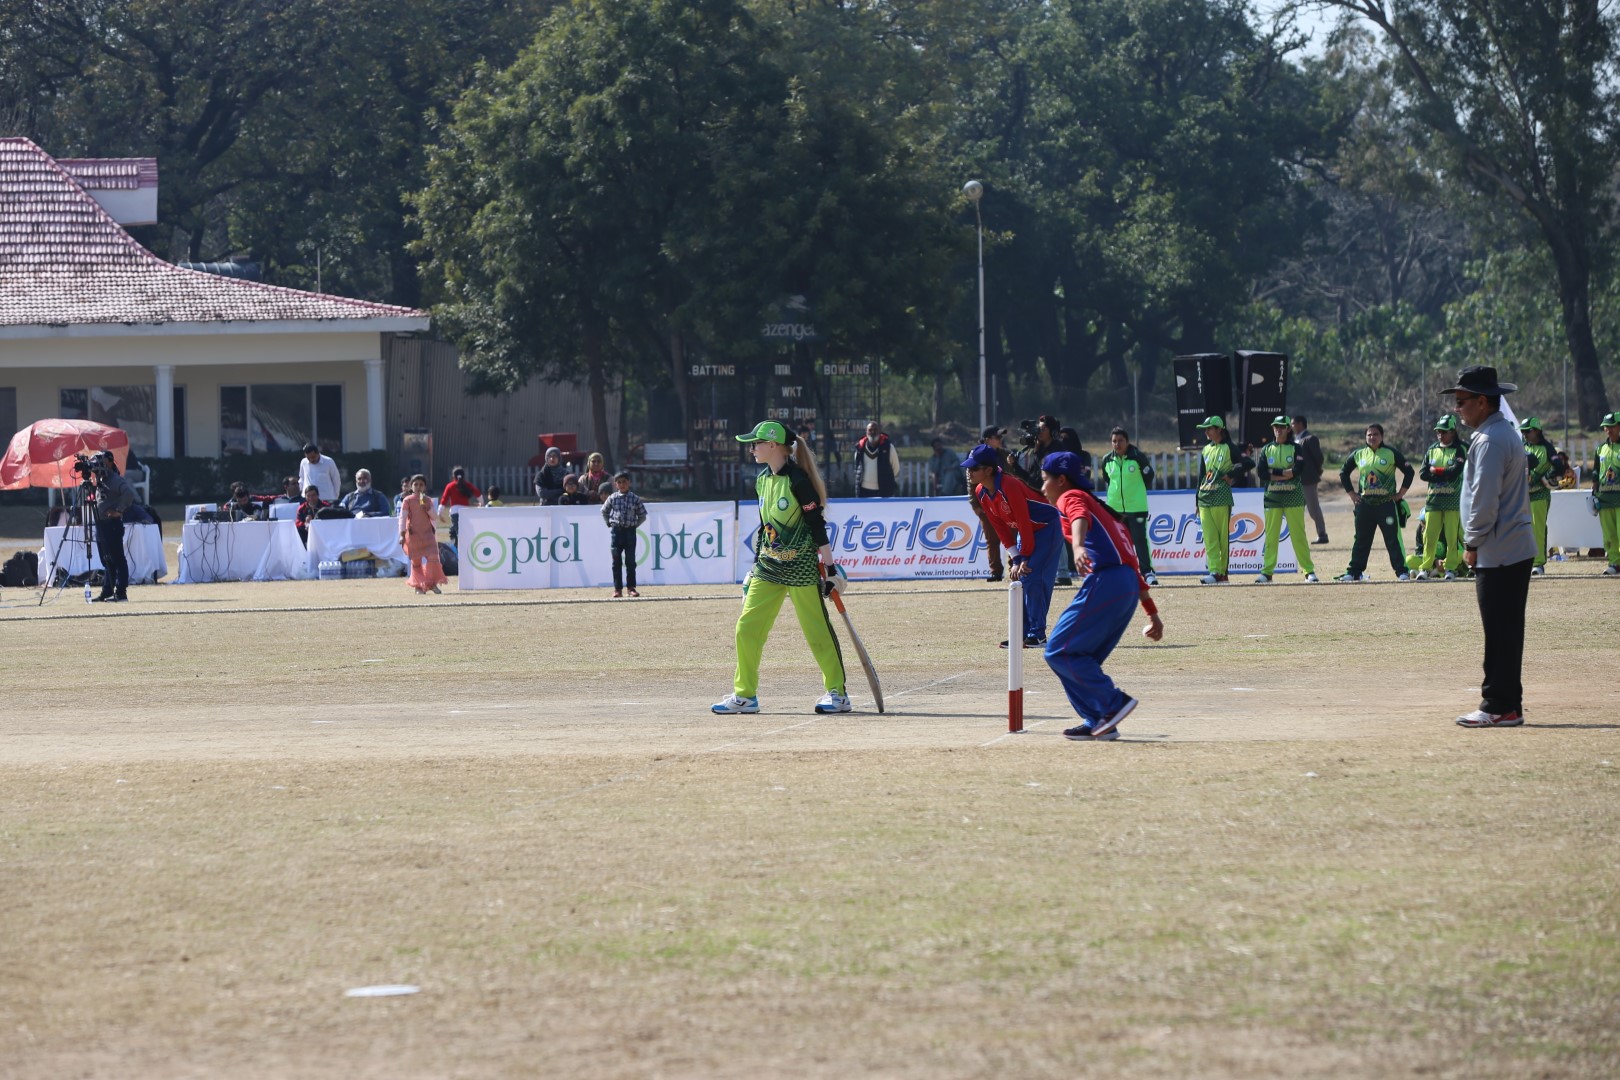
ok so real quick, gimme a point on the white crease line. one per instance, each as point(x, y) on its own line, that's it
point(925, 686)
point(1010, 734)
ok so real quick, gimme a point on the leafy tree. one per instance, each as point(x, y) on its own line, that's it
point(646, 181)
point(1521, 97)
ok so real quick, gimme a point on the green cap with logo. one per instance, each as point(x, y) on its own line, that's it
point(1446, 423)
point(766, 431)
point(1610, 420)
point(1214, 421)
point(1530, 423)
point(1282, 421)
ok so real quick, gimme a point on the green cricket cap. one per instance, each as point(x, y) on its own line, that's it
point(1214, 421)
point(1530, 423)
point(1610, 420)
point(1446, 423)
point(766, 431)
point(1282, 421)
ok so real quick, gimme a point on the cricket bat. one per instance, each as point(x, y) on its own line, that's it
point(860, 650)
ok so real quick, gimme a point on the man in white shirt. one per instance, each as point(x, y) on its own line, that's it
point(320, 470)
point(877, 465)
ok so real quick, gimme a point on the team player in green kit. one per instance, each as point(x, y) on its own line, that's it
point(1606, 490)
point(1443, 465)
point(790, 549)
point(1218, 463)
point(1278, 465)
point(1377, 503)
point(1538, 454)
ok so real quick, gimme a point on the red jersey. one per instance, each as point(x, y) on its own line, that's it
point(1007, 510)
point(1108, 542)
point(459, 494)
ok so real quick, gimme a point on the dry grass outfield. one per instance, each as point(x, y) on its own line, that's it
point(213, 821)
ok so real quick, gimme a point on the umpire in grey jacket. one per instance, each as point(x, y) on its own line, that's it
point(1497, 541)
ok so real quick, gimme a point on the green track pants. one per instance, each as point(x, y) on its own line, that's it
point(1295, 516)
point(1610, 520)
point(761, 604)
point(1441, 525)
point(1217, 525)
point(1538, 526)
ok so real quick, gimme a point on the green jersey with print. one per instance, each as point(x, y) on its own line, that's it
point(785, 546)
point(1375, 472)
point(1279, 457)
point(1127, 489)
point(1539, 459)
point(1444, 494)
point(1215, 480)
point(1606, 466)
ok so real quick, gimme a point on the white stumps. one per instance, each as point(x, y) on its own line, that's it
point(1015, 656)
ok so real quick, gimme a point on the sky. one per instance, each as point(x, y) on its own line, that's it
point(1316, 23)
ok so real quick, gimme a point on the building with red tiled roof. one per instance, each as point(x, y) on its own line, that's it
point(94, 325)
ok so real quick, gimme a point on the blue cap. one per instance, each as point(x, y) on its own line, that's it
point(1066, 463)
point(982, 456)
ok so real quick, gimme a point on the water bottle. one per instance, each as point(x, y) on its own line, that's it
point(87, 597)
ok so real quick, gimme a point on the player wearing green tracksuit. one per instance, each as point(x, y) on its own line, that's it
point(1277, 464)
point(1538, 454)
point(1126, 474)
point(1217, 465)
point(1443, 465)
point(789, 549)
point(1606, 490)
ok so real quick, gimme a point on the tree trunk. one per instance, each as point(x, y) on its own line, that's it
point(938, 411)
point(677, 373)
point(596, 376)
point(1575, 304)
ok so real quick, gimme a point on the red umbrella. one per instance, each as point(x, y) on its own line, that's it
point(41, 454)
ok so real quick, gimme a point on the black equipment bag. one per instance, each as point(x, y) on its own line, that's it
point(21, 571)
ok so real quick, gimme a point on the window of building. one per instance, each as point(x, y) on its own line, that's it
point(269, 418)
point(133, 408)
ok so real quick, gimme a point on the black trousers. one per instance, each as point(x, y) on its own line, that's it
point(1136, 525)
point(1503, 592)
point(114, 565)
point(624, 559)
point(1381, 517)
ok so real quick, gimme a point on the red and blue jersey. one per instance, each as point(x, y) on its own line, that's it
point(1015, 512)
point(1107, 543)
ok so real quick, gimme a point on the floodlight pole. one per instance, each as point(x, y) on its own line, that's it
point(975, 191)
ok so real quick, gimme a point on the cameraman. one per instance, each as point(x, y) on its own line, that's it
point(112, 497)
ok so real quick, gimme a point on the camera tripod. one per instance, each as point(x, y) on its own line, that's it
point(86, 528)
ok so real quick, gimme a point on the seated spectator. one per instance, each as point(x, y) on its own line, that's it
point(365, 500)
point(492, 496)
point(289, 492)
point(307, 510)
point(242, 507)
point(594, 476)
point(548, 483)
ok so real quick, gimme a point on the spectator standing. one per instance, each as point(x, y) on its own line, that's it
point(1606, 491)
point(1443, 465)
point(1217, 465)
point(1377, 502)
point(624, 513)
point(548, 482)
point(320, 470)
point(1498, 542)
point(365, 500)
point(1068, 441)
point(594, 476)
point(1278, 466)
point(877, 465)
point(313, 504)
point(1310, 473)
point(1126, 476)
point(945, 472)
point(420, 539)
point(457, 493)
point(1539, 460)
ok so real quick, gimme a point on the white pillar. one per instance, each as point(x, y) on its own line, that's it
point(165, 410)
point(376, 424)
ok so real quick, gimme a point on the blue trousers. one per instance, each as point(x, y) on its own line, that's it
point(1043, 568)
point(1086, 633)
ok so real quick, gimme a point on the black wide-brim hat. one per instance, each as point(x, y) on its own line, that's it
point(1480, 379)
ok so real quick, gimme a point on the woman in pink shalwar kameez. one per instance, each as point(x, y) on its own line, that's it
point(420, 539)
